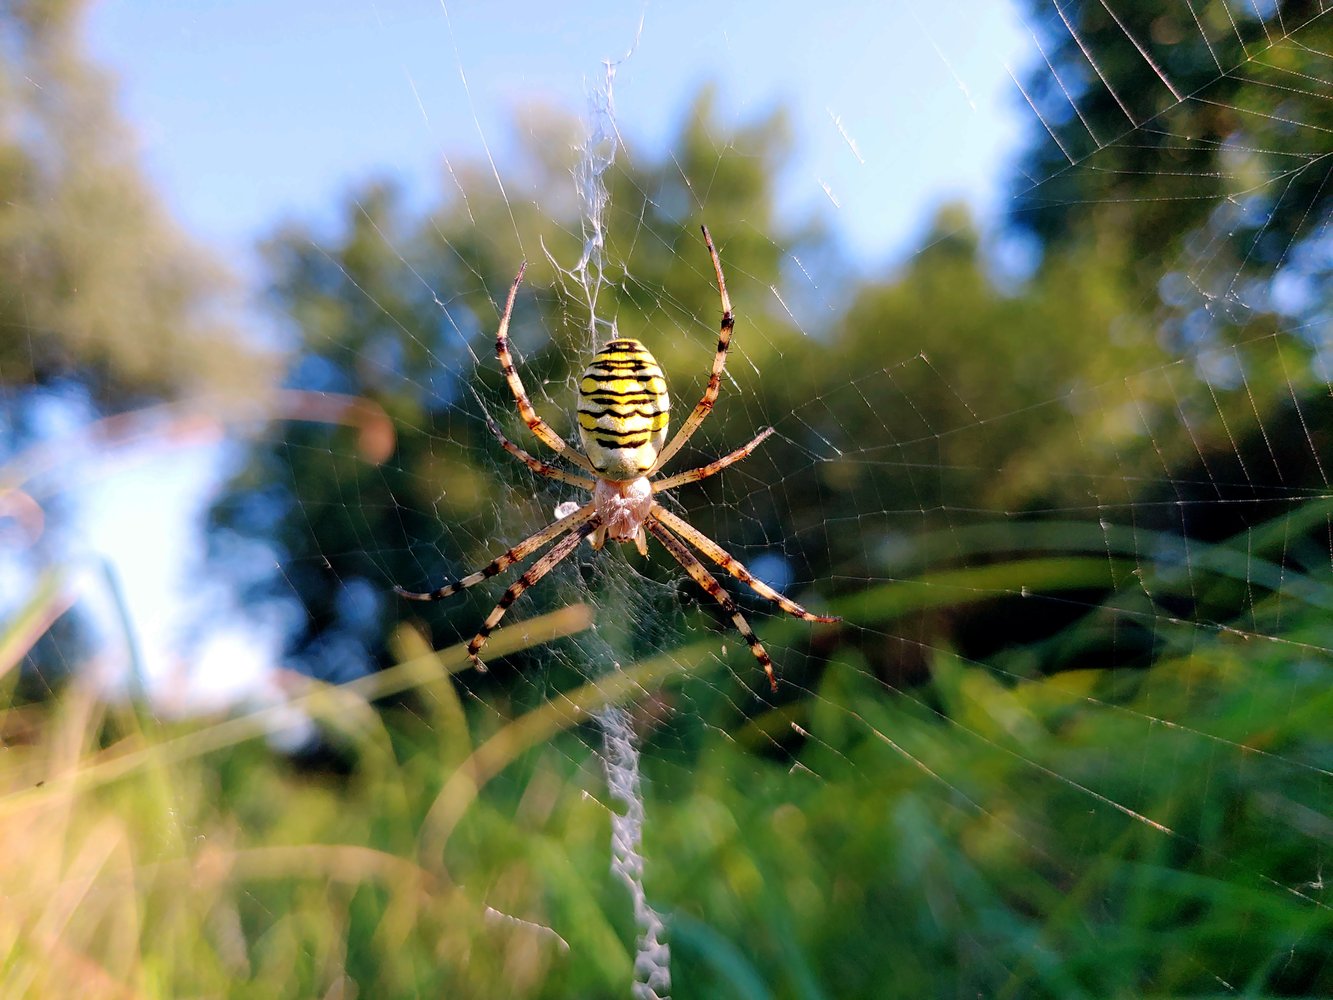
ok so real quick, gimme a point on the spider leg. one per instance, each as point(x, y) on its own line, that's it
point(524, 548)
point(733, 565)
point(712, 468)
point(536, 464)
point(536, 424)
point(705, 579)
point(705, 405)
point(531, 575)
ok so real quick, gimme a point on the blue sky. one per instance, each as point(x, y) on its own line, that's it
point(248, 112)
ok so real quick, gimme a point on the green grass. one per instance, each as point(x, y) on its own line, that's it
point(998, 831)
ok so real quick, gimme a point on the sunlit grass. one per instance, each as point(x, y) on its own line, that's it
point(998, 831)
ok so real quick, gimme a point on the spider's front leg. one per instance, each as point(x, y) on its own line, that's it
point(705, 405)
point(536, 424)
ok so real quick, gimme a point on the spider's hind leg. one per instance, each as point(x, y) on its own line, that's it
point(705, 579)
point(732, 565)
point(501, 563)
point(532, 575)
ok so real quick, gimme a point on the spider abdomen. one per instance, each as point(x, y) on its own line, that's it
point(623, 410)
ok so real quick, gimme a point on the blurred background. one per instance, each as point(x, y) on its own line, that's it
point(1036, 298)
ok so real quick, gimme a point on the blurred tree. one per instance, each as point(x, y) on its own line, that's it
point(1199, 130)
point(104, 305)
point(96, 285)
point(1187, 148)
point(1012, 370)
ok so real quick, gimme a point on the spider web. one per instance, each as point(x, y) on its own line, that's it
point(884, 476)
point(1112, 653)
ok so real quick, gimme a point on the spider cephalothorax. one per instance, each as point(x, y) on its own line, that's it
point(622, 416)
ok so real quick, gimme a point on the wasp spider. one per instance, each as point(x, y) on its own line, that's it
point(622, 414)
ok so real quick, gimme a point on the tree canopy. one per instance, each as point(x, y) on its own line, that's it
point(97, 284)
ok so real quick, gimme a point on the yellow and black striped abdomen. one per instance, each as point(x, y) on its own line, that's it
point(623, 410)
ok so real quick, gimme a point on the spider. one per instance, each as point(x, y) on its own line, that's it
point(622, 414)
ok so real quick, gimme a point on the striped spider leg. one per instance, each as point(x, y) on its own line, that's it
point(733, 566)
point(705, 405)
point(575, 527)
point(536, 424)
point(622, 416)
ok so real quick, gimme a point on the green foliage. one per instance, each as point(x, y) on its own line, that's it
point(1091, 833)
point(1202, 125)
point(96, 284)
point(923, 857)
